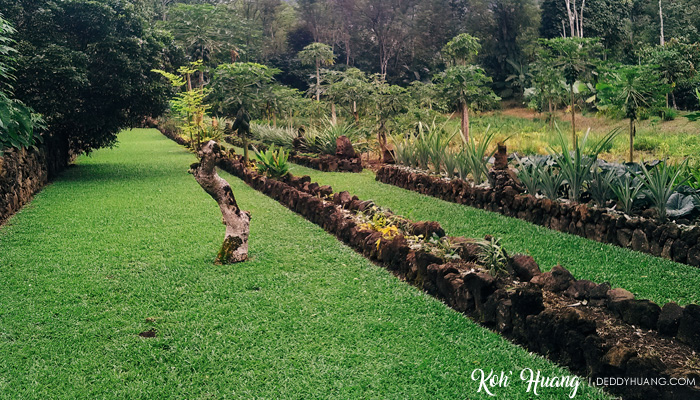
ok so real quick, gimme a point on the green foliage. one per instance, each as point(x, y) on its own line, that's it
point(241, 86)
point(324, 140)
point(474, 157)
point(467, 86)
point(550, 181)
point(18, 123)
point(660, 182)
point(626, 189)
point(629, 88)
point(574, 57)
point(208, 31)
point(84, 66)
point(601, 186)
point(493, 256)
point(278, 136)
point(529, 175)
point(189, 106)
point(273, 162)
point(317, 54)
point(462, 48)
point(577, 166)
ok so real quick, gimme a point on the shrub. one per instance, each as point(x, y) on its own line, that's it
point(323, 141)
point(474, 159)
point(272, 135)
point(626, 189)
point(660, 182)
point(273, 162)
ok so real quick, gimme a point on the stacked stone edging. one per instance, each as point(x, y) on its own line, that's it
point(24, 172)
point(667, 240)
point(518, 309)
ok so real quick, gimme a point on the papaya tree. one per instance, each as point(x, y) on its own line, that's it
point(574, 58)
point(464, 85)
point(239, 92)
point(467, 87)
point(628, 89)
point(317, 54)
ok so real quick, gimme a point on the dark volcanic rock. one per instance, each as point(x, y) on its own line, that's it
point(689, 326)
point(525, 267)
point(557, 280)
point(343, 148)
point(669, 319)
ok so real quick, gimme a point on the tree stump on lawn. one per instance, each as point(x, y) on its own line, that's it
point(235, 247)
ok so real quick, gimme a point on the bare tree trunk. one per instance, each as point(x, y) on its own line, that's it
point(631, 140)
point(673, 99)
point(573, 116)
point(235, 246)
point(354, 111)
point(661, 19)
point(318, 80)
point(334, 116)
point(465, 122)
point(551, 115)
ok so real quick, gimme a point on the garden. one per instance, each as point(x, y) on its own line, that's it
point(362, 199)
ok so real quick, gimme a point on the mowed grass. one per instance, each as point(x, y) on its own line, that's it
point(647, 276)
point(124, 242)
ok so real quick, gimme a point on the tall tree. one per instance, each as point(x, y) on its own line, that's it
point(86, 67)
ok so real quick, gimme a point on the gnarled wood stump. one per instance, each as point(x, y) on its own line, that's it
point(235, 247)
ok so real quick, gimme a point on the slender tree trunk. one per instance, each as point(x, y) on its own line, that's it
point(661, 20)
point(318, 80)
point(237, 221)
point(631, 140)
point(551, 115)
point(465, 122)
point(354, 111)
point(274, 119)
point(573, 116)
point(189, 82)
point(334, 116)
point(673, 99)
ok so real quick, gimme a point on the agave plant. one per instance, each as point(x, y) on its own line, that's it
point(323, 140)
point(529, 175)
point(493, 256)
point(576, 166)
point(273, 135)
point(660, 182)
point(449, 163)
point(550, 181)
point(600, 186)
point(404, 151)
point(473, 160)
point(626, 188)
point(273, 162)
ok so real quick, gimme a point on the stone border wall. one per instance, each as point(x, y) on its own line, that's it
point(667, 240)
point(520, 308)
point(24, 172)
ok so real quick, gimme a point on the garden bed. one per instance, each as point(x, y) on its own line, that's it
point(669, 240)
point(592, 329)
point(324, 163)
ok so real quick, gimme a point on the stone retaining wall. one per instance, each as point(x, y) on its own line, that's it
point(24, 172)
point(667, 240)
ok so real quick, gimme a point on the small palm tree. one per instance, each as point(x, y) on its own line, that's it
point(629, 89)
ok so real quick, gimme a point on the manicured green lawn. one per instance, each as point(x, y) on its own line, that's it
point(124, 241)
point(648, 277)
